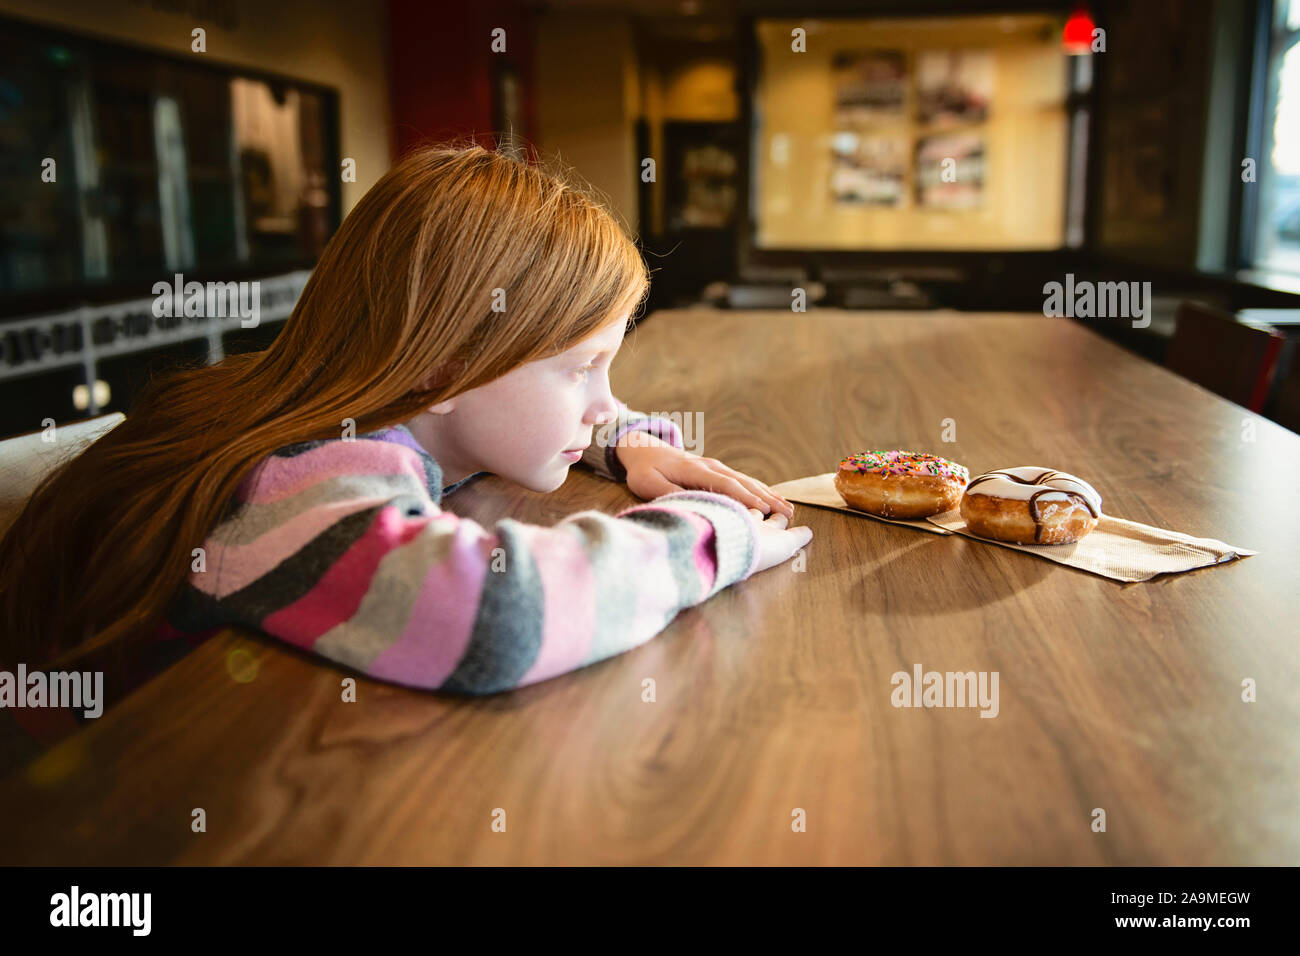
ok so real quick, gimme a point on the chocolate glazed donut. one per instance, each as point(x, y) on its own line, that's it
point(996, 510)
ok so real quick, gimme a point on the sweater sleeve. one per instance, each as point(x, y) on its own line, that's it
point(601, 455)
point(364, 568)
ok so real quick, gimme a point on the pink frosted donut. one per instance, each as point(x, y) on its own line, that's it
point(900, 484)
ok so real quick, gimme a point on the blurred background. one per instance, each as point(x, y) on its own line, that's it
point(875, 155)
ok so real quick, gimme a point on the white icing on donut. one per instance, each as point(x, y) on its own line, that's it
point(1039, 479)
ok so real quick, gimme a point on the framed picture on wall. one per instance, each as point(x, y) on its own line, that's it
point(869, 86)
point(950, 171)
point(868, 168)
point(954, 86)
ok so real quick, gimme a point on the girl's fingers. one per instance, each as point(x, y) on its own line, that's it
point(789, 505)
point(758, 493)
point(725, 484)
point(777, 520)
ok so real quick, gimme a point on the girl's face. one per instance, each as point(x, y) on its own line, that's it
point(518, 425)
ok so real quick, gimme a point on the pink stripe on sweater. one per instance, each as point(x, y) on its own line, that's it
point(706, 563)
point(442, 618)
point(658, 599)
point(340, 591)
point(279, 478)
point(657, 596)
point(241, 564)
point(568, 583)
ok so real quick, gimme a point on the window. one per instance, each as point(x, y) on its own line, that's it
point(1276, 227)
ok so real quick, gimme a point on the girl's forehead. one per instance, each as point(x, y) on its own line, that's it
point(609, 339)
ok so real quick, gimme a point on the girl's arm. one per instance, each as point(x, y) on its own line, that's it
point(601, 455)
point(342, 550)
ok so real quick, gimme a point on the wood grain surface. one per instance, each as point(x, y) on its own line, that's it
point(774, 697)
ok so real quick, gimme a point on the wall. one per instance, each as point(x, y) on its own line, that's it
point(700, 89)
point(587, 99)
point(337, 43)
point(1025, 138)
point(442, 69)
point(1151, 130)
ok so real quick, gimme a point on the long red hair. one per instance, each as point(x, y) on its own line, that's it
point(402, 292)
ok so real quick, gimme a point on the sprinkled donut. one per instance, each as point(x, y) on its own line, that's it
point(1030, 505)
point(900, 484)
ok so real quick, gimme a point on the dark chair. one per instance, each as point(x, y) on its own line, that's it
point(1231, 358)
point(1286, 403)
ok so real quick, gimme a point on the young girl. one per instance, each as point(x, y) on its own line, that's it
point(461, 321)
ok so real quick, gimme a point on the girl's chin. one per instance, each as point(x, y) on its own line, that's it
point(551, 480)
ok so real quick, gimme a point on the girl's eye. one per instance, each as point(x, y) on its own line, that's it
point(586, 370)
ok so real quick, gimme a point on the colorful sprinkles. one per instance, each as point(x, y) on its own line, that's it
point(904, 463)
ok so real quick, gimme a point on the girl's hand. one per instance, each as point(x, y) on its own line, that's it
point(654, 468)
point(776, 543)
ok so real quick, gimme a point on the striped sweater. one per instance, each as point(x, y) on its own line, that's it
point(342, 548)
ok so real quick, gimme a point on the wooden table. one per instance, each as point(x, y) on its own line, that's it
point(775, 695)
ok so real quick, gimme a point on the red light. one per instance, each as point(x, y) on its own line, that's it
point(1077, 37)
